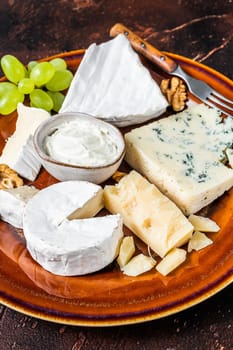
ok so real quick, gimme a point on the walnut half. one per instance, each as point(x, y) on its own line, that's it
point(175, 91)
point(9, 178)
point(117, 176)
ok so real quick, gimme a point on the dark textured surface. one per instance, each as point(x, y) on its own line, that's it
point(198, 29)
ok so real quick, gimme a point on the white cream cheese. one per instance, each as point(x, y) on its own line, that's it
point(81, 143)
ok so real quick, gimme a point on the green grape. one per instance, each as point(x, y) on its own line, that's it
point(31, 65)
point(10, 99)
point(7, 86)
point(60, 81)
point(13, 69)
point(58, 63)
point(42, 73)
point(40, 99)
point(26, 85)
point(57, 98)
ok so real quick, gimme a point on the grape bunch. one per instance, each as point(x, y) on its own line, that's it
point(43, 82)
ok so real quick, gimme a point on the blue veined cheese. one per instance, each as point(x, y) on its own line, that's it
point(183, 155)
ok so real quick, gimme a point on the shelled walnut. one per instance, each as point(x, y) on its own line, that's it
point(175, 91)
point(9, 178)
point(117, 176)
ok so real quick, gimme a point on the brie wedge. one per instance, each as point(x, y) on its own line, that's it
point(19, 153)
point(70, 247)
point(112, 84)
point(13, 202)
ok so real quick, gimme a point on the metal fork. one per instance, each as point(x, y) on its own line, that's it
point(197, 87)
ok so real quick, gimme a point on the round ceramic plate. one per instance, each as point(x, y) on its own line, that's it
point(108, 297)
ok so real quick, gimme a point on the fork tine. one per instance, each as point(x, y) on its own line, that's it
point(211, 104)
point(221, 103)
point(221, 97)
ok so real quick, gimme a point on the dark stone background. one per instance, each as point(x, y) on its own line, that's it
point(198, 29)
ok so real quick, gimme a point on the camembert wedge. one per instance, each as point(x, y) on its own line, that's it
point(13, 202)
point(70, 247)
point(153, 217)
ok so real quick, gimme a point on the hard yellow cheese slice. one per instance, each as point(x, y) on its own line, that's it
point(198, 241)
point(127, 249)
point(171, 261)
point(201, 223)
point(138, 265)
point(154, 218)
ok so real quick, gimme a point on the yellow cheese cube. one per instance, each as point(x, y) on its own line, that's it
point(138, 265)
point(127, 249)
point(171, 261)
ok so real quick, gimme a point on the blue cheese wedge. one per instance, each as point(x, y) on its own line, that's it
point(150, 215)
point(62, 244)
point(183, 155)
point(19, 153)
point(112, 84)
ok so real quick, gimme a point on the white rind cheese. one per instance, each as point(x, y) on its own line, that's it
point(19, 153)
point(150, 215)
point(183, 155)
point(112, 84)
point(13, 202)
point(69, 247)
point(68, 200)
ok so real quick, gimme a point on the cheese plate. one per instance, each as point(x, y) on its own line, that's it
point(118, 299)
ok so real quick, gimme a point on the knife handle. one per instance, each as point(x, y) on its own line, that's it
point(144, 48)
